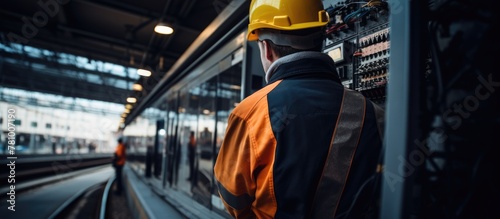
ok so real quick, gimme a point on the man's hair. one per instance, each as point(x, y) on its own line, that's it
point(281, 50)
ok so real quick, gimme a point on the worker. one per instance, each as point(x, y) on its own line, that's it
point(303, 146)
point(119, 162)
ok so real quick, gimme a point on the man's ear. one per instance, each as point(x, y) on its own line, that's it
point(268, 52)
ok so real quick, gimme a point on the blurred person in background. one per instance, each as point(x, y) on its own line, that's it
point(118, 163)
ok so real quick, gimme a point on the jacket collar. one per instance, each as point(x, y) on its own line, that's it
point(301, 63)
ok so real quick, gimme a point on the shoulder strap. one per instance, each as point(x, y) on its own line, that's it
point(342, 148)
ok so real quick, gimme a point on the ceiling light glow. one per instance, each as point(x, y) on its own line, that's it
point(131, 100)
point(144, 72)
point(137, 87)
point(163, 28)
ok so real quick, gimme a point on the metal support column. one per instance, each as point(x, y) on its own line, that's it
point(404, 104)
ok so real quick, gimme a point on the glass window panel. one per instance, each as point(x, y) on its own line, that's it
point(229, 93)
point(205, 134)
point(171, 150)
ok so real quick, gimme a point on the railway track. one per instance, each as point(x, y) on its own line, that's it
point(83, 195)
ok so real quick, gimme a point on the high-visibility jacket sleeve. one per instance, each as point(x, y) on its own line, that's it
point(233, 169)
point(245, 159)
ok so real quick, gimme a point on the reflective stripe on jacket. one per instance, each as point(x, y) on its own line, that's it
point(278, 138)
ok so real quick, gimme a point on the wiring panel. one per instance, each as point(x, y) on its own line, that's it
point(357, 38)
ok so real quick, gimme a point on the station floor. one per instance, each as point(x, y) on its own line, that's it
point(154, 201)
point(117, 206)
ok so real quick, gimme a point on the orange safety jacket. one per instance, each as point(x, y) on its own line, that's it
point(120, 154)
point(272, 159)
point(192, 142)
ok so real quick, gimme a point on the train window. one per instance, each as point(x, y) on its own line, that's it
point(199, 119)
point(196, 123)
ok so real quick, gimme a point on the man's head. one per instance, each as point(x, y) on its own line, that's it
point(283, 27)
point(120, 140)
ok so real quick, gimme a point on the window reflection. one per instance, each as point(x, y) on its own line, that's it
point(195, 126)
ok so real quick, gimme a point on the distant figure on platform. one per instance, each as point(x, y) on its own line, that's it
point(118, 163)
point(54, 148)
point(91, 147)
point(205, 140)
point(191, 154)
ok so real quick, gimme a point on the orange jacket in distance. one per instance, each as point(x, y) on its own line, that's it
point(120, 153)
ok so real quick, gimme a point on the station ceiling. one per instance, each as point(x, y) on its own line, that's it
point(66, 47)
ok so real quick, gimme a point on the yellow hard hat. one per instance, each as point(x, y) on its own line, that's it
point(285, 15)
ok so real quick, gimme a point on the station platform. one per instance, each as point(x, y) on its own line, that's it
point(148, 199)
point(91, 190)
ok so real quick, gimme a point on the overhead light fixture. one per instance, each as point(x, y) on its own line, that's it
point(143, 72)
point(162, 132)
point(124, 115)
point(128, 106)
point(235, 87)
point(137, 87)
point(163, 28)
point(126, 111)
point(131, 100)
